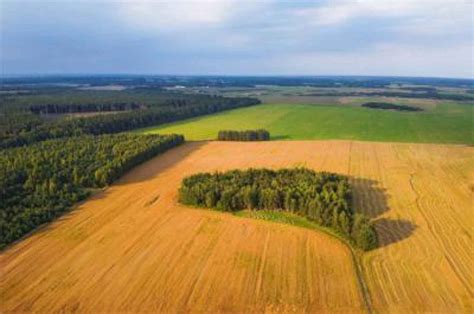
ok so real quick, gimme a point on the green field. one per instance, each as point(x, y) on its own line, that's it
point(444, 123)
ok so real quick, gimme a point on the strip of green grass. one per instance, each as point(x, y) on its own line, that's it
point(446, 123)
point(289, 219)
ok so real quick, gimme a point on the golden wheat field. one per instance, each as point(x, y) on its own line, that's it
point(133, 248)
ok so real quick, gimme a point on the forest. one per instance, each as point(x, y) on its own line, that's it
point(324, 198)
point(247, 135)
point(39, 182)
point(22, 127)
point(77, 108)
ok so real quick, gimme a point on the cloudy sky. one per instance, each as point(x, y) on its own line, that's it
point(238, 37)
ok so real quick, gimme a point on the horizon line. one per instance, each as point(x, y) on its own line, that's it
point(35, 75)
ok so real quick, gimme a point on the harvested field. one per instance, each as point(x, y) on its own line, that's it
point(133, 248)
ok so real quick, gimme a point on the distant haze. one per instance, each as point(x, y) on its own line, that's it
point(365, 37)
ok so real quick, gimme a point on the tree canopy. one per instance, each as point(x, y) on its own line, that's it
point(324, 198)
point(247, 135)
point(41, 181)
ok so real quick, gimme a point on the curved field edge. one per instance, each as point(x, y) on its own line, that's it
point(302, 222)
point(444, 123)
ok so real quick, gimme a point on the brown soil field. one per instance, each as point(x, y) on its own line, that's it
point(133, 248)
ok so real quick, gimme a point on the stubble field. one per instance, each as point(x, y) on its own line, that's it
point(133, 248)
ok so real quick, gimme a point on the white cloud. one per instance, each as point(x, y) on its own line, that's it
point(384, 59)
point(165, 15)
point(385, 37)
point(342, 11)
point(338, 12)
point(157, 15)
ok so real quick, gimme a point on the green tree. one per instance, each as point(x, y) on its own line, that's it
point(366, 237)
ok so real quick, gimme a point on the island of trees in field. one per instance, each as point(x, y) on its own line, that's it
point(389, 106)
point(324, 198)
point(41, 181)
point(247, 135)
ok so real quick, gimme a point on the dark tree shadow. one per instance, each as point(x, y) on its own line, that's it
point(145, 171)
point(150, 169)
point(371, 199)
point(279, 137)
point(393, 230)
point(368, 197)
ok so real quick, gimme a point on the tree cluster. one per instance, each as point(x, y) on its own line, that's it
point(324, 198)
point(41, 181)
point(247, 135)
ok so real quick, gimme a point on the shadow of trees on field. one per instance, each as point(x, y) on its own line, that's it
point(393, 230)
point(150, 169)
point(145, 171)
point(368, 197)
point(372, 200)
point(279, 137)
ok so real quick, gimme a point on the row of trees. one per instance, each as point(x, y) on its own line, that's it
point(247, 135)
point(324, 198)
point(390, 106)
point(399, 94)
point(41, 181)
point(19, 134)
point(74, 108)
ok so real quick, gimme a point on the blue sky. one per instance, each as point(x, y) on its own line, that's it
point(365, 37)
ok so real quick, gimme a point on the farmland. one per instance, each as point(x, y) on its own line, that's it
point(439, 123)
point(134, 248)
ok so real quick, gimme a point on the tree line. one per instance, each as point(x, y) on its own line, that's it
point(41, 181)
point(114, 123)
point(77, 108)
point(399, 94)
point(247, 135)
point(389, 106)
point(324, 198)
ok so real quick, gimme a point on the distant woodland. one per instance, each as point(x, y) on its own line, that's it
point(22, 124)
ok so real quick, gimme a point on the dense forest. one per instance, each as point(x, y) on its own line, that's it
point(77, 108)
point(40, 181)
point(321, 197)
point(79, 100)
point(389, 106)
point(23, 128)
point(247, 135)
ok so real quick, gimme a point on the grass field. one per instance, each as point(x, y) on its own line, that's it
point(438, 124)
point(134, 248)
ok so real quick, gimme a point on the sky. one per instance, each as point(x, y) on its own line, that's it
point(238, 37)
